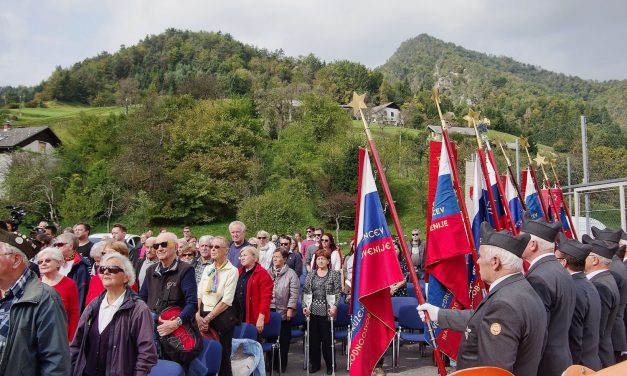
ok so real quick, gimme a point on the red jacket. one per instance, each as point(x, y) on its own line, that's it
point(258, 295)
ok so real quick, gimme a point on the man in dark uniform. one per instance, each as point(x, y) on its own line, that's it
point(619, 272)
point(583, 336)
point(555, 287)
point(508, 328)
point(597, 271)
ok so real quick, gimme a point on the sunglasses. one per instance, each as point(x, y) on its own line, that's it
point(325, 240)
point(214, 247)
point(111, 269)
point(59, 244)
point(309, 231)
point(162, 245)
point(262, 237)
point(286, 244)
point(415, 234)
point(47, 261)
point(187, 255)
point(317, 234)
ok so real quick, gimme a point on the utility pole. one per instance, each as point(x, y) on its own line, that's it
point(586, 178)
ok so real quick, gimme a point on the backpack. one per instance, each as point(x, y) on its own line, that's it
point(182, 345)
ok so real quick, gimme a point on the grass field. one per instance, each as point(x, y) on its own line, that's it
point(60, 117)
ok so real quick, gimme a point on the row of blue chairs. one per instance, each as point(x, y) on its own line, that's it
point(206, 364)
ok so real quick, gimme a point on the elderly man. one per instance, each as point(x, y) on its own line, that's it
point(204, 259)
point(507, 329)
point(583, 335)
point(556, 289)
point(170, 282)
point(33, 327)
point(597, 271)
point(149, 259)
point(619, 272)
point(237, 230)
point(76, 266)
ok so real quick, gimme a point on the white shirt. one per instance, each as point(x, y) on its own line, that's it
point(105, 315)
point(66, 267)
point(539, 258)
point(499, 280)
point(592, 274)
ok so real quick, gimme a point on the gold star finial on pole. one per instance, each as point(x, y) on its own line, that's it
point(358, 103)
point(524, 143)
point(541, 161)
point(553, 163)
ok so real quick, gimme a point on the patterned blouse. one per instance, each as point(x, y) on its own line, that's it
point(320, 287)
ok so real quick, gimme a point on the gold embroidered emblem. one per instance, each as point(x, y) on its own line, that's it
point(495, 329)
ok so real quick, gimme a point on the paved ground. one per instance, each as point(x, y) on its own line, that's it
point(410, 362)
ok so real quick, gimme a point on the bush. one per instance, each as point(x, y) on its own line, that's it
point(286, 209)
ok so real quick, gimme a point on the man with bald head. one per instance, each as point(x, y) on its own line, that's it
point(170, 282)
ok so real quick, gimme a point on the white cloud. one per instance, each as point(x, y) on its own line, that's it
point(571, 36)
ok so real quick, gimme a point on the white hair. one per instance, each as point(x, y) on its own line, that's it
point(127, 267)
point(97, 249)
point(13, 249)
point(508, 260)
point(240, 223)
point(54, 252)
point(205, 238)
point(544, 246)
point(603, 260)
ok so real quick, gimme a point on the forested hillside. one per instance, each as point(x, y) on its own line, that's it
point(215, 129)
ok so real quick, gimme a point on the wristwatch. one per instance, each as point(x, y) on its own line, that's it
point(179, 321)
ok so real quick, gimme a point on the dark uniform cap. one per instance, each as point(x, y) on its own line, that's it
point(540, 228)
point(621, 251)
point(504, 240)
point(573, 247)
point(607, 234)
point(19, 241)
point(600, 247)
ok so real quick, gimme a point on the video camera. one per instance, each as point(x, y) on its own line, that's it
point(17, 215)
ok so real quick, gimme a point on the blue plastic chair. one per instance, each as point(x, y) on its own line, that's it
point(401, 301)
point(167, 368)
point(341, 325)
point(411, 329)
point(271, 333)
point(208, 361)
point(245, 331)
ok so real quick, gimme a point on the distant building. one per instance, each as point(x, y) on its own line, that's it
point(436, 131)
point(35, 139)
point(388, 113)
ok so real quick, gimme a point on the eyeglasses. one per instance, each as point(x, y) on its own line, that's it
point(415, 234)
point(162, 245)
point(326, 240)
point(262, 237)
point(214, 247)
point(47, 261)
point(285, 244)
point(111, 269)
point(187, 255)
point(59, 244)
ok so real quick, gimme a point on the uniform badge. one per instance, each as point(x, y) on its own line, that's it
point(495, 329)
point(19, 240)
point(467, 332)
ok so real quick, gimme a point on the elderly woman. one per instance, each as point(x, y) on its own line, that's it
point(96, 253)
point(75, 266)
point(254, 289)
point(114, 334)
point(321, 283)
point(49, 261)
point(95, 284)
point(284, 299)
point(266, 249)
point(216, 292)
point(187, 253)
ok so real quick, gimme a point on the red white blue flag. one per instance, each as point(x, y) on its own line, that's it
point(515, 207)
point(447, 245)
point(375, 269)
point(532, 199)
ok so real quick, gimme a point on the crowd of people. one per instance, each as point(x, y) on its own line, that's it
point(102, 306)
point(70, 306)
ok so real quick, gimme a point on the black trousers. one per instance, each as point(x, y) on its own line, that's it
point(225, 362)
point(319, 336)
point(284, 341)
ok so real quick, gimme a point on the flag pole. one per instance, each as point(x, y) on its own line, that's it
point(525, 144)
point(541, 161)
point(460, 197)
point(499, 185)
point(559, 186)
point(512, 178)
point(470, 118)
point(358, 105)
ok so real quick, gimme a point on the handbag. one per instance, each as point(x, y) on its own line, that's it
point(182, 345)
point(227, 320)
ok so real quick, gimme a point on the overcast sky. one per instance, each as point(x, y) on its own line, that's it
point(577, 37)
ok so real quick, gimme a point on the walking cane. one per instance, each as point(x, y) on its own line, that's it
point(331, 303)
point(307, 298)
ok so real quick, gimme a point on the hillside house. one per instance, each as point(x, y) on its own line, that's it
point(388, 113)
point(35, 139)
